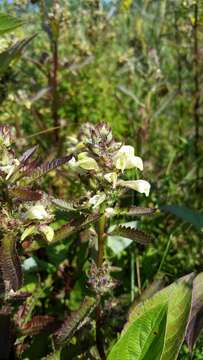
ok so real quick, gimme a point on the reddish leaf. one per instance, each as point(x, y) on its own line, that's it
point(10, 263)
point(37, 324)
point(195, 323)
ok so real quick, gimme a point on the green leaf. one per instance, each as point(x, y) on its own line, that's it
point(178, 298)
point(191, 216)
point(144, 339)
point(13, 53)
point(8, 23)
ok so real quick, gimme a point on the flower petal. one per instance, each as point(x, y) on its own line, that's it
point(125, 159)
point(36, 212)
point(111, 178)
point(141, 186)
point(97, 200)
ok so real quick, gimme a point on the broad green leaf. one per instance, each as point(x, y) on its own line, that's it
point(178, 312)
point(191, 216)
point(144, 339)
point(8, 23)
point(178, 298)
point(12, 54)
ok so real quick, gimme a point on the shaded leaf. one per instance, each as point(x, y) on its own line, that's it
point(144, 339)
point(5, 333)
point(191, 216)
point(195, 323)
point(74, 321)
point(133, 234)
point(38, 324)
point(53, 356)
point(137, 211)
point(10, 263)
point(24, 193)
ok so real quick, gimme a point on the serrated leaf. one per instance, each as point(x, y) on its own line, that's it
point(24, 193)
point(38, 324)
point(195, 323)
point(74, 225)
point(74, 321)
point(13, 53)
point(144, 339)
point(137, 211)
point(9, 23)
point(178, 298)
point(63, 205)
point(10, 263)
point(34, 174)
point(133, 234)
point(25, 157)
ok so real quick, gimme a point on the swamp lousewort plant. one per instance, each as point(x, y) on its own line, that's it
point(27, 215)
point(30, 222)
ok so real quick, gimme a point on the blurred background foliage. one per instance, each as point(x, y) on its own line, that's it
point(136, 65)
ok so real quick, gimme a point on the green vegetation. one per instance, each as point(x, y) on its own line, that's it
point(101, 179)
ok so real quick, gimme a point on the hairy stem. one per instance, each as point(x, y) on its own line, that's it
point(55, 89)
point(100, 259)
point(138, 275)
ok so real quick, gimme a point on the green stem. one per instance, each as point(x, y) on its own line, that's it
point(138, 275)
point(100, 259)
point(101, 237)
point(132, 260)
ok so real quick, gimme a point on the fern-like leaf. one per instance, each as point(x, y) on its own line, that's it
point(134, 234)
point(10, 263)
point(25, 157)
point(62, 204)
point(137, 211)
point(38, 324)
point(74, 321)
point(34, 174)
point(24, 193)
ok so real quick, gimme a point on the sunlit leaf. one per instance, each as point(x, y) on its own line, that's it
point(13, 53)
point(9, 23)
point(144, 338)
